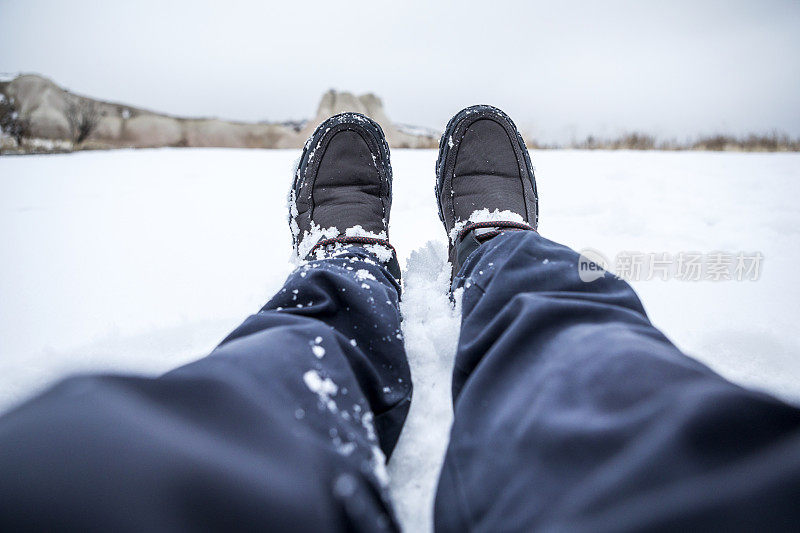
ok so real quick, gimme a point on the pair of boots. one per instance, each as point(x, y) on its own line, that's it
point(342, 189)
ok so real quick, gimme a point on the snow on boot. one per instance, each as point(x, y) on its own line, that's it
point(342, 191)
point(484, 180)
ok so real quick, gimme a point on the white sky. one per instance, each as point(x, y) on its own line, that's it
point(561, 69)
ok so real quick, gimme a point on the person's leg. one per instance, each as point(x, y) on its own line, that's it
point(572, 412)
point(283, 427)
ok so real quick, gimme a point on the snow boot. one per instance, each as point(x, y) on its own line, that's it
point(342, 191)
point(484, 181)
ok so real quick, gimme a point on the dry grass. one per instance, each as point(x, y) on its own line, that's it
point(772, 142)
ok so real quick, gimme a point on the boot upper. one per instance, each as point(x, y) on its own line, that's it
point(342, 185)
point(484, 180)
point(484, 167)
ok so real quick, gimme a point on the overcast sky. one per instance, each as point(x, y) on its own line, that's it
point(561, 69)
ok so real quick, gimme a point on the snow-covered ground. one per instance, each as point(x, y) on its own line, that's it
point(143, 260)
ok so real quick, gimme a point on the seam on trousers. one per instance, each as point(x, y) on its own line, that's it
point(460, 496)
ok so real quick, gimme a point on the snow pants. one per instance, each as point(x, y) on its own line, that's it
point(572, 413)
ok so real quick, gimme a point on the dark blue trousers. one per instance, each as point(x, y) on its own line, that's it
point(572, 412)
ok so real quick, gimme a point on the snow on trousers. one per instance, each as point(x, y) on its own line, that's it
point(572, 413)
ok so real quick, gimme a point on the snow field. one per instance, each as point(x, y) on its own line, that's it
point(139, 261)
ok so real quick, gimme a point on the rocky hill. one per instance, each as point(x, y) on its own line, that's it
point(42, 116)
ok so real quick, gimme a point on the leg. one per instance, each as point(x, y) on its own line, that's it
point(572, 412)
point(273, 431)
point(283, 427)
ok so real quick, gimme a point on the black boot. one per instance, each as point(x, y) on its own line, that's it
point(342, 190)
point(484, 180)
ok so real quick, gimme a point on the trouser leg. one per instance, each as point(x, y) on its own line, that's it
point(283, 427)
point(572, 412)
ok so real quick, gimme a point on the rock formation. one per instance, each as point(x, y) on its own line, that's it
point(52, 113)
